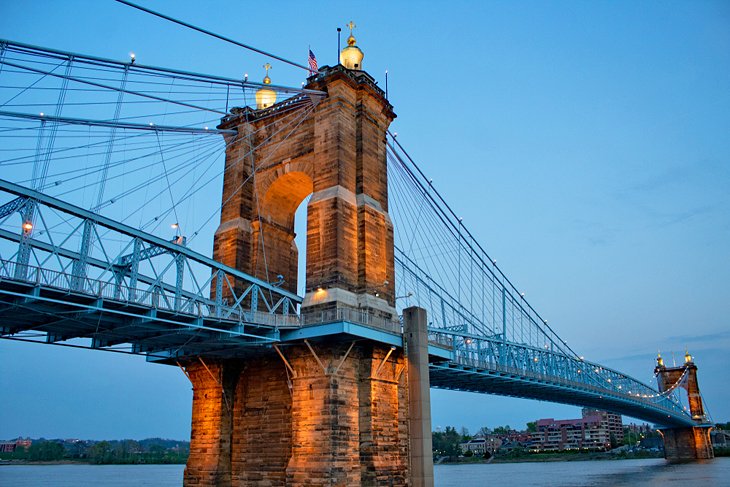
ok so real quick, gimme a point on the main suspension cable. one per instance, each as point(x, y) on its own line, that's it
point(213, 34)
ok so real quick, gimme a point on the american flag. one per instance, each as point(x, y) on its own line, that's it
point(312, 62)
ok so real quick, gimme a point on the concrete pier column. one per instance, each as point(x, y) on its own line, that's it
point(419, 397)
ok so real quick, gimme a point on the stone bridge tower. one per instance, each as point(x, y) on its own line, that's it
point(321, 408)
point(690, 443)
point(336, 153)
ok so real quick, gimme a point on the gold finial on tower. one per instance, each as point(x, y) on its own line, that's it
point(687, 356)
point(351, 56)
point(659, 360)
point(265, 97)
point(351, 39)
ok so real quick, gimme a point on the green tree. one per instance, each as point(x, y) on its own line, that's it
point(45, 451)
point(100, 453)
point(446, 443)
point(502, 430)
point(532, 426)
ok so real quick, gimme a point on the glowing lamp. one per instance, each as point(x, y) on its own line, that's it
point(265, 97)
point(351, 56)
point(687, 357)
point(27, 226)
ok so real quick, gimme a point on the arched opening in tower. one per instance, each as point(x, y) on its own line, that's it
point(300, 239)
point(280, 255)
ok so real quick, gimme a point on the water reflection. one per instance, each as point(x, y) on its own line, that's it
point(618, 473)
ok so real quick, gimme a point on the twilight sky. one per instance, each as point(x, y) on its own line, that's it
point(585, 144)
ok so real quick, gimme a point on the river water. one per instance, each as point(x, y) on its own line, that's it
point(618, 473)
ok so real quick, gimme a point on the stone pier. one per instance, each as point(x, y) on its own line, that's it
point(330, 412)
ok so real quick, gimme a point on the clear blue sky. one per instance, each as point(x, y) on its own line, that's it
point(586, 145)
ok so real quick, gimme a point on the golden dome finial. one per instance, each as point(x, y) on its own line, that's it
point(265, 97)
point(687, 356)
point(351, 56)
point(659, 359)
point(351, 39)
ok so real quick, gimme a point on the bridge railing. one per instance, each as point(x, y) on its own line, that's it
point(557, 368)
point(57, 244)
point(361, 317)
point(158, 300)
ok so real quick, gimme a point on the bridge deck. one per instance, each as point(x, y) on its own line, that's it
point(62, 315)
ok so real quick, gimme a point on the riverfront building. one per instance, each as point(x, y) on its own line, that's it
point(594, 431)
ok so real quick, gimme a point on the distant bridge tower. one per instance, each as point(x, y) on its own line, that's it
point(689, 443)
point(330, 408)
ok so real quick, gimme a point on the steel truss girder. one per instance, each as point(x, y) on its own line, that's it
point(110, 322)
point(149, 240)
point(12, 206)
point(451, 376)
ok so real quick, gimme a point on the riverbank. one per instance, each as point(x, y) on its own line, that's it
point(555, 457)
point(79, 462)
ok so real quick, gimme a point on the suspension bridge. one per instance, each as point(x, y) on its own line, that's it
point(106, 219)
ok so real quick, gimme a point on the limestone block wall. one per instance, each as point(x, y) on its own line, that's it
point(339, 417)
point(209, 462)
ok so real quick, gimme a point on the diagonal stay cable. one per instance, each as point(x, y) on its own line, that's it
point(167, 178)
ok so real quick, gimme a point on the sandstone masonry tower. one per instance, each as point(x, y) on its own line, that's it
point(334, 410)
point(337, 154)
point(691, 443)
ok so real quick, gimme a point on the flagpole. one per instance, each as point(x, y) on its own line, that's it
point(338, 46)
point(386, 84)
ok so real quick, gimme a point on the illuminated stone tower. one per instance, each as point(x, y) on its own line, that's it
point(691, 443)
point(325, 407)
point(337, 154)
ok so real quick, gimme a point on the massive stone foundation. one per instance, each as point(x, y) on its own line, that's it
point(331, 412)
point(687, 444)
